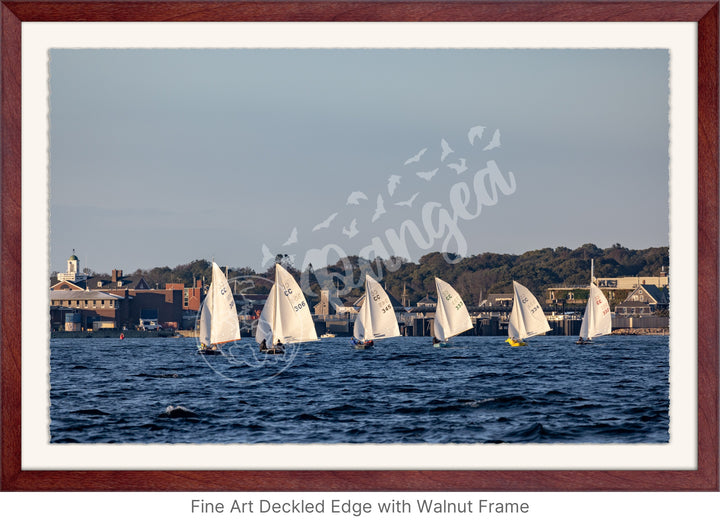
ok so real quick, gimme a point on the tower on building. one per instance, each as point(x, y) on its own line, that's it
point(73, 271)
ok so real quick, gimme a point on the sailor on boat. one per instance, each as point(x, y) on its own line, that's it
point(526, 318)
point(597, 319)
point(451, 315)
point(367, 344)
point(218, 315)
point(376, 318)
point(286, 314)
point(209, 350)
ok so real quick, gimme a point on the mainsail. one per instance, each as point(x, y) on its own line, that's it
point(286, 316)
point(451, 314)
point(527, 318)
point(218, 316)
point(376, 318)
point(597, 320)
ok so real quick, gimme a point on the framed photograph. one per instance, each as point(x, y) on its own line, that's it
point(351, 172)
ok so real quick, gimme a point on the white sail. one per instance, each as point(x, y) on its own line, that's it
point(205, 319)
point(264, 330)
point(376, 318)
point(286, 316)
point(597, 320)
point(218, 316)
point(527, 318)
point(362, 329)
point(451, 315)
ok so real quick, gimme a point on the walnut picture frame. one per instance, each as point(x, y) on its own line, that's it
point(15, 478)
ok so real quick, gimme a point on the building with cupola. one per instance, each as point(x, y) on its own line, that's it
point(79, 301)
point(73, 278)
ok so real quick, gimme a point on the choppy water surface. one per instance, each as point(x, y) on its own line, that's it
point(402, 391)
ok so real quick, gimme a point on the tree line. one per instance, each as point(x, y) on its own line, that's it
point(473, 277)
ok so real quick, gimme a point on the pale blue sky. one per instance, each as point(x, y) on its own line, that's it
point(161, 157)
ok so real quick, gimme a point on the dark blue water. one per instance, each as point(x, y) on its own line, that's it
point(402, 391)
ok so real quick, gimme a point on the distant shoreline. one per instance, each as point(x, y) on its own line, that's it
point(641, 331)
point(115, 334)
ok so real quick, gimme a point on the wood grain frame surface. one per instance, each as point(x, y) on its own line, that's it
point(704, 13)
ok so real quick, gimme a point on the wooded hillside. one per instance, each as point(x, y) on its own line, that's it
point(474, 277)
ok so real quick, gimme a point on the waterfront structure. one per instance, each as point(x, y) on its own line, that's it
point(496, 305)
point(644, 300)
point(629, 283)
point(118, 281)
point(94, 310)
point(497, 300)
point(614, 288)
point(192, 296)
point(329, 304)
point(119, 302)
point(427, 302)
point(167, 304)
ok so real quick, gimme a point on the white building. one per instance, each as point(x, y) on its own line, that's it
point(73, 271)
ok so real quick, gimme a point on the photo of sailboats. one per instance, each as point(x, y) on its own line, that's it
point(328, 257)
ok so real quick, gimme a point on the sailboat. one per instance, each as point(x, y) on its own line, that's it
point(286, 316)
point(451, 314)
point(597, 320)
point(218, 316)
point(527, 318)
point(376, 318)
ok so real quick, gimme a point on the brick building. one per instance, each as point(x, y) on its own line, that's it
point(118, 302)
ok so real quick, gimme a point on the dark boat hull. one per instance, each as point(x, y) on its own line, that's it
point(273, 350)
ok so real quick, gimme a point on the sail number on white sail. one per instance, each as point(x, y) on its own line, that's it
point(526, 318)
point(376, 318)
point(597, 320)
point(218, 317)
point(451, 314)
point(286, 316)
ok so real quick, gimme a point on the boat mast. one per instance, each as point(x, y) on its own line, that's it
point(212, 298)
point(276, 315)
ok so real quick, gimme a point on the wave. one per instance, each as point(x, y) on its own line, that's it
point(409, 432)
point(307, 417)
point(345, 408)
point(410, 410)
point(505, 401)
point(178, 411)
point(531, 433)
point(446, 408)
point(407, 390)
point(91, 412)
point(156, 376)
point(556, 393)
